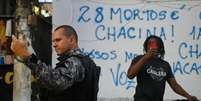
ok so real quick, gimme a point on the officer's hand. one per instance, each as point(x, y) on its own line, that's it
point(20, 46)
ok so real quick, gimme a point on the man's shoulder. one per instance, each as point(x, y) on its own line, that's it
point(164, 61)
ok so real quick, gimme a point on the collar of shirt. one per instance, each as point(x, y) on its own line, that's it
point(72, 52)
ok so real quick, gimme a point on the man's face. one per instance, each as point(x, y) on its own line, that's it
point(61, 42)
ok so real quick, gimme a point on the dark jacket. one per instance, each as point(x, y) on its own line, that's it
point(70, 80)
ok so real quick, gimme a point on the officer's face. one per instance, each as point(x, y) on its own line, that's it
point(61, 42)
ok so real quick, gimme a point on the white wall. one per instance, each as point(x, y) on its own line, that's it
point(129, 22)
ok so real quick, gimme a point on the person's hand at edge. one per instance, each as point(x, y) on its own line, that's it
point(193, 98)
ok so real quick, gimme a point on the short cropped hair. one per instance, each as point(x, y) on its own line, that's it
point(69, 31)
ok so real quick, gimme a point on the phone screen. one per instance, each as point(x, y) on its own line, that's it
point(153, 44)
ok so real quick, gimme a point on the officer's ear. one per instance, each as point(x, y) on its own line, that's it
point(72, 39)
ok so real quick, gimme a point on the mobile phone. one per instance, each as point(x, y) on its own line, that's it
point(153, 44)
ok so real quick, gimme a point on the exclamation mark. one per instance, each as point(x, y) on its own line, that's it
point(173, 33)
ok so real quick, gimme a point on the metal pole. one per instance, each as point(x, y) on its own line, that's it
point(22, 74)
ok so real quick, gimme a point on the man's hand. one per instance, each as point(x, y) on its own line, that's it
point(193, 98)
point(151, 53)
point(20, 46)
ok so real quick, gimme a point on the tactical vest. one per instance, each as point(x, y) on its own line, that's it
point(81, 91)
